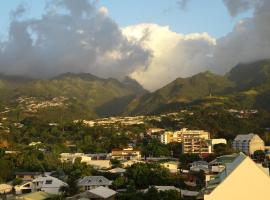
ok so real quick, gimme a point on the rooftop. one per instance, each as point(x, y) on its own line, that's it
point(94, 180)
point(102, 192)
point(246, 137)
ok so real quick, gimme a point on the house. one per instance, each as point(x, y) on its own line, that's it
point(248, 143)
point(48, 184)
point(126, 154)
point(98, 161)
point(218, 165)
point(35, 196)
point(92, 182)
point(128, 163)
point(98, 164)
point(172, 166)
point(27, 176)
point(199, 166)
point(166, 188)
point(241, 179)
point(97, 193)
point(43, 183)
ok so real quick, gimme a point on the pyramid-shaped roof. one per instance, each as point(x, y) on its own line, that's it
point(243, 179)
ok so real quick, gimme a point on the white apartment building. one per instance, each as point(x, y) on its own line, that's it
point(248, 143)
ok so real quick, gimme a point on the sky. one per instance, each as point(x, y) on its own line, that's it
point(152, 41)
point(195, 18)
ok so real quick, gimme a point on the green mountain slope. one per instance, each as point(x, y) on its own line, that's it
point(78, 95)
point(181, 91)
point(245, 86)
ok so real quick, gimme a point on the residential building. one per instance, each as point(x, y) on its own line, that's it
point(248, 143)
point(70, 157)
point(241, 179)
point(218, 165)
point(92, 182)
point(97, 193)
point(126, 154)
point(27, 176)
point(128, 163)
point(170, 136)
point(172, 166)
point(98, 161)
point(200, 166)
point(165, 188)
point(195, 141)
point(43, 183)
point(151, 131)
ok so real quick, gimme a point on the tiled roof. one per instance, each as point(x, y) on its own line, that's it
point(94, 180)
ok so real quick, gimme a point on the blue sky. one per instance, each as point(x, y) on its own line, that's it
point(199, 16)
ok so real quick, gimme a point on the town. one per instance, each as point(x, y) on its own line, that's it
point(135, 100)
point(174, 164)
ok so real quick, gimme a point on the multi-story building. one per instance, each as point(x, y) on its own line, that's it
point(248, 143)
point(126, 154)
point(195, 141)
point(167, 137)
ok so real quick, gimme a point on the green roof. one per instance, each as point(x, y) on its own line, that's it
point(225, 159)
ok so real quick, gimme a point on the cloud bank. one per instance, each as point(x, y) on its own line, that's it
point(177, 55)
point(78, 37)
point(71, 36)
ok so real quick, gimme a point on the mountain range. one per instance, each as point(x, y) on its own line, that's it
point(87, 96)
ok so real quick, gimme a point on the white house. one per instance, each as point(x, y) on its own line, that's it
point(241, 179)
point(43, 183)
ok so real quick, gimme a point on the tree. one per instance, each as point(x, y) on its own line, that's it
point(186, 159)
point(259, 155)
point(118, 182)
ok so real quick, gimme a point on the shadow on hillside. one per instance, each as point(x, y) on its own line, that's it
point(114, 107)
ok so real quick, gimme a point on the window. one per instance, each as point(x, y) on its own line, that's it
point(48, 182)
